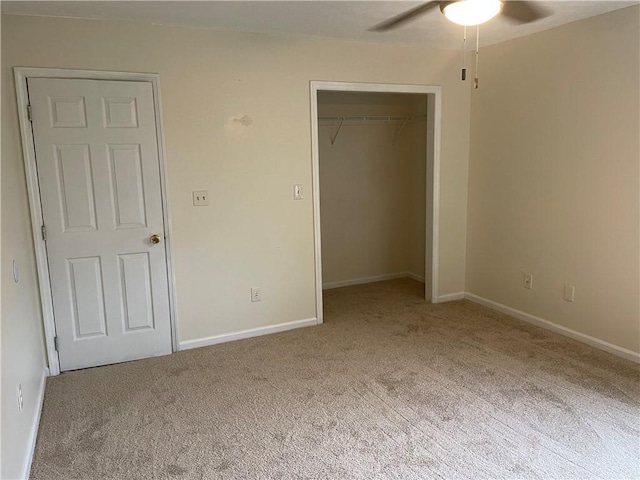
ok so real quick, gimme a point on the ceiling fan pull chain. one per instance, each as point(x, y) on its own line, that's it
point(475, 81)
point(464, 54)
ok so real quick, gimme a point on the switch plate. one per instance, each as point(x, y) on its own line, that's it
point(16, 272)
point(19, 398)
point(297, 192)
point(527, 281)
point(200, 198)
point(256, 294)
point(569, 293)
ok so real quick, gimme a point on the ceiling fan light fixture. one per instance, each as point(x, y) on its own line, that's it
point(471, 12)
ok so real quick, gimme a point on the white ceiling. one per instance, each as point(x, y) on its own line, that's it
point(334, 19)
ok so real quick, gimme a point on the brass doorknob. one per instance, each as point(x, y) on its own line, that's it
point(155, 239)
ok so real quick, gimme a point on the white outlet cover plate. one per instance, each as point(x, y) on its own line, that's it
point(256, 295)
point(200, 198)
point(297, 192)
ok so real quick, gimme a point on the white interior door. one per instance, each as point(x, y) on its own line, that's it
point(99, 177)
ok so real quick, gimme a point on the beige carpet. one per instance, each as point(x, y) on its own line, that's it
point(389, 387)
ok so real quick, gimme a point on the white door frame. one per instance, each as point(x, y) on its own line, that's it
point(434, 145)
point(21, 75)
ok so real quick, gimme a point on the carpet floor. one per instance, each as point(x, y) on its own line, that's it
point(389, 387)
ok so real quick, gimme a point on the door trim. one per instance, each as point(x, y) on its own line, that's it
point(21, 74)
point(434, 112)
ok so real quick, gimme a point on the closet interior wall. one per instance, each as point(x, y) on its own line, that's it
point(372, 188)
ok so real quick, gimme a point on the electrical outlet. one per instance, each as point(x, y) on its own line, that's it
point(19, 397)
point(200, 198)
point(256, 295)
point(527, 281)
point(569, 292)
point(297, 192)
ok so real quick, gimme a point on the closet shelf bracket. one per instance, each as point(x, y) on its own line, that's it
point(333, 138)
point(399, 131)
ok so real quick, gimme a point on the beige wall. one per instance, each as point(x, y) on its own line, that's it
point(554, 173)
point(368, 188)
point(22, 349)
point(253, 233)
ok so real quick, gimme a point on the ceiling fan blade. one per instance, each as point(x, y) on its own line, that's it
point(405, 17)
point(523, 12)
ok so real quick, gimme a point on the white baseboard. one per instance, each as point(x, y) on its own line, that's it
point(540, 322)
point(253, 332)
point(375, 278)
point(449, 297)
point(35, 424)
point(415, 277)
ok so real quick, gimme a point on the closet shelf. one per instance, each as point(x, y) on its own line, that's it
point(401, 120)
point(373, 118)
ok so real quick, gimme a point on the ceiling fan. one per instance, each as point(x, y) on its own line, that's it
point(470, 13)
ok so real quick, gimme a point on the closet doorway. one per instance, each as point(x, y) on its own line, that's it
point(375, 184)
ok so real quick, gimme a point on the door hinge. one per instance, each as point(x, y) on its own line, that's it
point(29, 114)
point(44, 232)
point(56, 345)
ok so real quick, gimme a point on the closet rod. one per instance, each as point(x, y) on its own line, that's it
point(403, 120)
point(375, 118)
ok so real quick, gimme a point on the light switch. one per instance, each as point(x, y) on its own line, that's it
point(16, 273)
point(201, 198)
point(569, 293)
point(297, 192)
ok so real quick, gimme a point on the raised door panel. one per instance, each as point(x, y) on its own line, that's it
point(120, 112)
point(87, 297)
point(128, 186)
point(67, 112)
point(135, 275)
point(75, 187)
